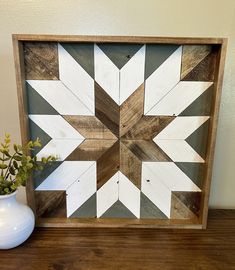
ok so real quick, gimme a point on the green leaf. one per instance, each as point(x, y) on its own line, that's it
point(15, 147)
point(17, 158)
point(3, 166)
point(15, 164)
point(6, 153)
point(12, 170)
point(6, 190)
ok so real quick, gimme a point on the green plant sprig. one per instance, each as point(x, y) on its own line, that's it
point(16, 167)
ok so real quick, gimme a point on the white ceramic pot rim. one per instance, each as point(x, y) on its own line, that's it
point(2, 197)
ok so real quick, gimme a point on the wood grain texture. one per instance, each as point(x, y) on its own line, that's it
point(146, 150)
point(205, 70)
point(90, 127)
point(130, 165)
point(140, 249)
point(132, 110)
point(119, 39)
point(219, 73)
point(191, 200)
point(41, 61)
point(148, 127)
point(192, 56)
point(106, 110)
point(90, 149)
point(179, 210)
point(23, 111)
point(108, 164)
point(50, 204)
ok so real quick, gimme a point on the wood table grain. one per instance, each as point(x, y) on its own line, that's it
point(100, 248)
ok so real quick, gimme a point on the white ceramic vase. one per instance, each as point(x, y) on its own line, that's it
point(16, 221)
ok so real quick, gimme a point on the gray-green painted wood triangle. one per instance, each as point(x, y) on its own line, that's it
point(156, 55)
point(195, 171)
point(198, 139)
point(83, 53)
point(40, 176)
point(37, 104)
point(149, 210)
point(119, 53)
point(36, 132)
point(200, 106)
point(87, 209)
point(118, 210)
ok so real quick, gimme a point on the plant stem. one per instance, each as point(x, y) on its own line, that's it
point(3, 156)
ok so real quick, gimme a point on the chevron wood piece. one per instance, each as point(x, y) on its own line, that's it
point(130, 165)
point(195, 171)
point(106, 74)
point(118, 210)
point(161, 178)
point(56, 127)
point(39, 176)
point(156, 54)
point(107, 195)
point(205, 70)
point(199, 138)
point(179, 151)
point(41, 61)
point(181, 127)
point(106, 110)
point(192, 55)
point(155, 190)
point(65, 175)
point(129, 195)
point(60, 97)
point(131, 110)
point(108, 164)
point(87, 209)
point(180, 211)
point(120, 53)
point(59, 148)
point(148, 127)
point(179, 98)
point(90, 127)
point(83, 53)
point(76, 79)
point(37, 104)
point(162, 80)
point(50, 204)
point(171, 176)
point(81, 190)
point(37, 132)
point(132, 75)
point(146, 150)
point(191, 200)
point(202, 105)
point(148, 210)
point(91, 149)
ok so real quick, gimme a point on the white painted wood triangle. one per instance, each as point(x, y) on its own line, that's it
point(162, 80)
point(77, 80)
point(81, 190)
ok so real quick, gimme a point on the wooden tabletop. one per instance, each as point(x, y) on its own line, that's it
point(99, 248)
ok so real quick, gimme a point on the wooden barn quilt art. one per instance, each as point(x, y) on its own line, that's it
point(132, 121)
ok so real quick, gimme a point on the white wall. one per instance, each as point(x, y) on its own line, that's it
point(205, 18)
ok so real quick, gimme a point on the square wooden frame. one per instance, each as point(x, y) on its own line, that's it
point(19, 39)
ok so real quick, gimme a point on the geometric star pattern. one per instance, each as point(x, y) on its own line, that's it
point(129, 124)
